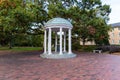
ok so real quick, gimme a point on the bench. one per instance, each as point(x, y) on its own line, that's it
point(97, 51)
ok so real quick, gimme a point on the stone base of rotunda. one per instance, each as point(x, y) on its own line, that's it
point(57, 55)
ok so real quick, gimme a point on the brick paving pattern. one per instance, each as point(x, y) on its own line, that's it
point(86, 66)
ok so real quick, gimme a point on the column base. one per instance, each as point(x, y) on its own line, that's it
point(60, 53)
point(70, 53)
point(64, 51)
point(49, 53)
point(45, 53)
point(58, 56)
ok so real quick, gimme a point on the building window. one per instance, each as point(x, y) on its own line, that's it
point(113, 34)
point(119, 28)
point(112, 41)
point(119, 34)
point(112, 29)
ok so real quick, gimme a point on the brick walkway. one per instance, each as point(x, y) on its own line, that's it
point(29, 66)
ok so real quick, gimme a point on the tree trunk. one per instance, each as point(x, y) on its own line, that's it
point(10, 46)
point(83, 42)
point(10, 42)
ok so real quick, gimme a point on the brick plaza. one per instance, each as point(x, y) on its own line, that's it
point(86, 66)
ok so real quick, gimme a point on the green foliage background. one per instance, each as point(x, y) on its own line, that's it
point(22, 21)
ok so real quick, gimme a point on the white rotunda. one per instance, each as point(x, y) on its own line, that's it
point(60, 27)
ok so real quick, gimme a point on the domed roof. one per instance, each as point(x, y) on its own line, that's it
point(58, 22)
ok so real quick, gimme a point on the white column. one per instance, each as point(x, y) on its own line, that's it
point(64, 41)
point(49, 41)
point(56, 42)
point(60, 41)
point(69, 41)
point(45, 35)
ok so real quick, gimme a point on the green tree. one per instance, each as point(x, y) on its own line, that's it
point(91, 14)
point(60, 8)
point(6, 19)
point(18, 17)
point(89, 17)
point(100, 32)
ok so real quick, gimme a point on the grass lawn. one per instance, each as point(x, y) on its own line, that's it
point(20, 49)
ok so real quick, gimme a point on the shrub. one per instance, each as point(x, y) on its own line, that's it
point(76, 46)
point(110, 48)
point(88, 48)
